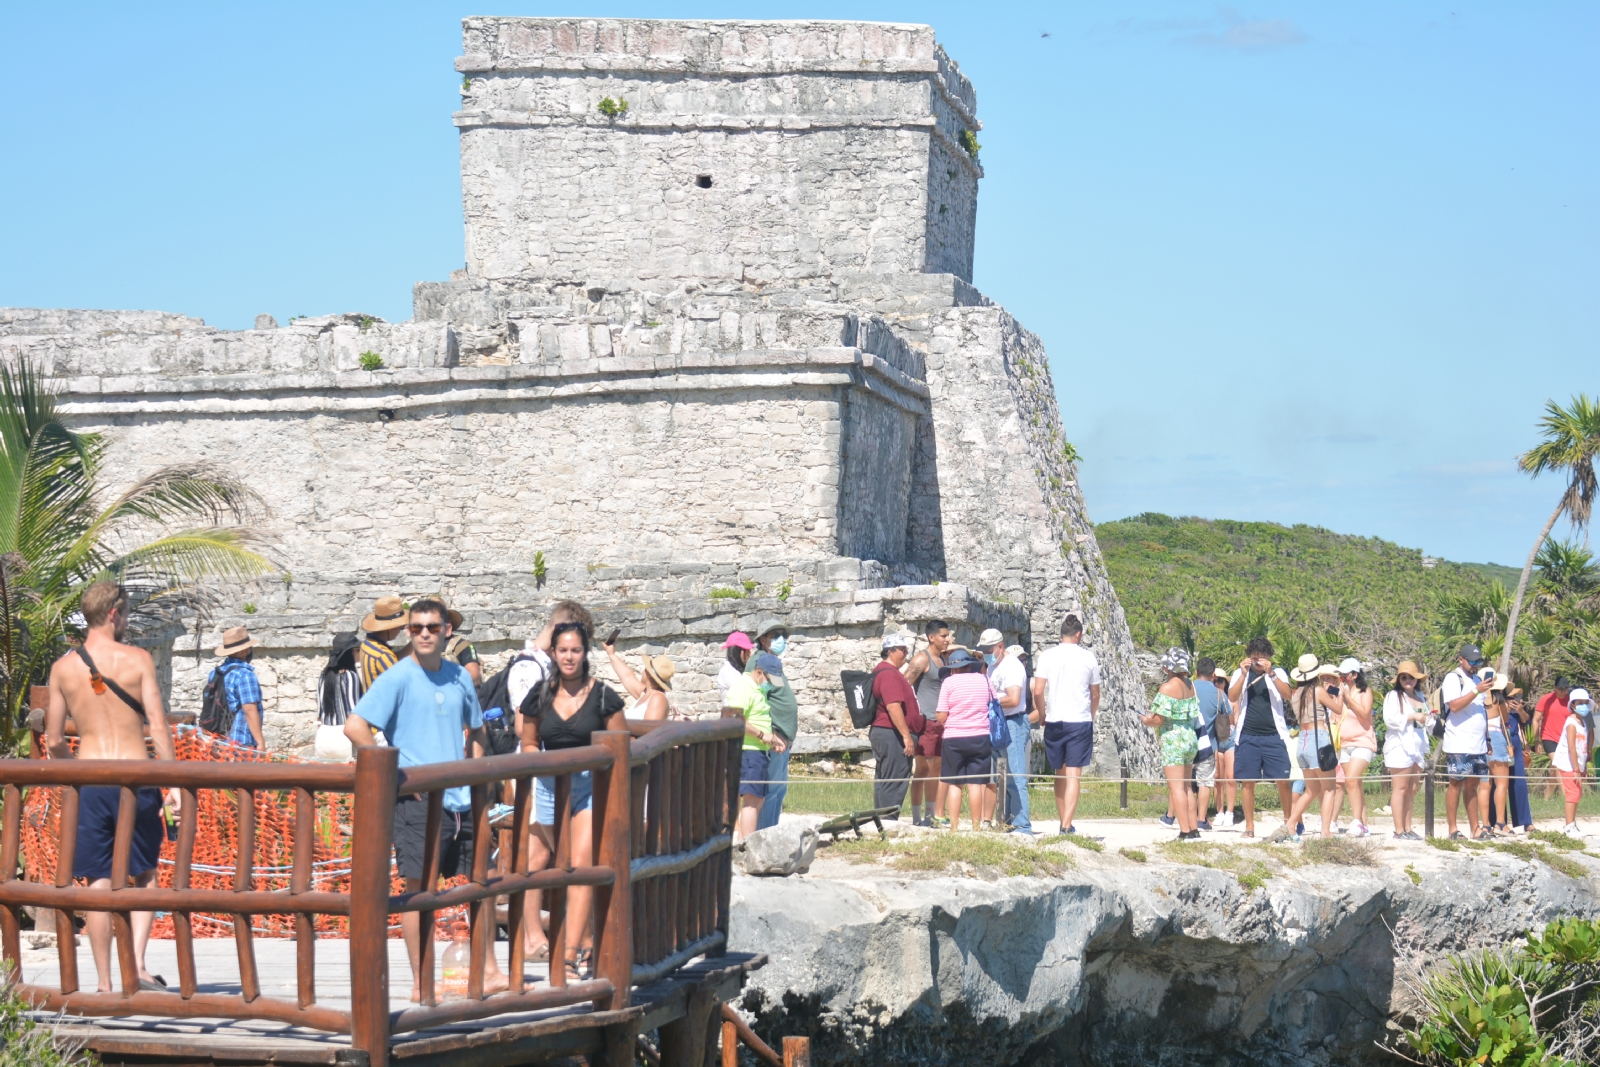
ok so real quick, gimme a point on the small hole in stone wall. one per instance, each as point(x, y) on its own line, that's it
point(596, 294)
point(703, 181)
point(386, 414)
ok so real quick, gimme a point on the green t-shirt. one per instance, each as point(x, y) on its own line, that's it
point(746, 696)
point(785, 708)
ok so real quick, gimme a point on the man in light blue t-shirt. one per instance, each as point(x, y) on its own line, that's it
point(428, 709)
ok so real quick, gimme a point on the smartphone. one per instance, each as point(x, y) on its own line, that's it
point(1487, 674)
point(613, 638)
point(1333, 690)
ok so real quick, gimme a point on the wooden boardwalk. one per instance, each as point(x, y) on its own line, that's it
point(660, 875)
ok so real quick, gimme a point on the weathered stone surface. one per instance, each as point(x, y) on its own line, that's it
point(1118, 963)
point(781, 850)
point(711, 357)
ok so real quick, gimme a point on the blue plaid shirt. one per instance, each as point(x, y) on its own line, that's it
point(242, 688)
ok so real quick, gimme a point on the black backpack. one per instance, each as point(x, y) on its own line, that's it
point(859, 698)
point(495, 692)
point(215, 715)
point(339, 687)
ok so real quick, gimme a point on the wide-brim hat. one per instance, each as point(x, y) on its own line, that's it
point(770, 625)
point(235, 641)
point(1305, 669)
point(660, 669)
point(1328, 670)
point(388, 613)
point(1501, 683)
point(453, 615)
point(1409, 667)
point(957, 660)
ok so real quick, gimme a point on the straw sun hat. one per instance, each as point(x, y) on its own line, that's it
point(235, 641)
point(388, 613)
point(660, 669)
point(1409, 667)
point(1308, 669)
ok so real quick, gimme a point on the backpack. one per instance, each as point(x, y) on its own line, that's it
point(495, 694)
point(339, 687)
point(859, 698)
point(215, 715)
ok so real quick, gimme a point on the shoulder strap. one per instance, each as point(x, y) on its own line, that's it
point(102, 683)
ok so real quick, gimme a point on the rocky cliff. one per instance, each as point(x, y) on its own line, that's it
point(1121, 962)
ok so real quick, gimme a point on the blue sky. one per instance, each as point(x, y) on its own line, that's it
point(1293, 262)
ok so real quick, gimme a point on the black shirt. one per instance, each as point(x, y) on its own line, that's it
point(1258, 707)
point(558, 733)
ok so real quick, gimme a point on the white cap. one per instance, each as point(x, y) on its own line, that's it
point(1014, 650)
point(1350, 665)
point(1577, 695)
point(991, 637)
point(896, 641)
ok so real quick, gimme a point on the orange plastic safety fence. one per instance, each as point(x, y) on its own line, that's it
point(216, 843)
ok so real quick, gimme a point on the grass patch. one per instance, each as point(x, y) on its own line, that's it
point(1341, 851)
point(1558, 839)
point(1444, 844)
point(971, 854)
point(723, 593)
point(1081, 841)
point(1134, 854)
point(1413, 874)
point(1252, 865)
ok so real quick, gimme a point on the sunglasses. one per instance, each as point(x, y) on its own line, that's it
point(1475, 663)
point(431, 627)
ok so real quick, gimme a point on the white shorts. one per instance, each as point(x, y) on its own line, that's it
point(1397, 758)
point(1346, 754)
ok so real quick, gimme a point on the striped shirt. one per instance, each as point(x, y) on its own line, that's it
point(372, 659)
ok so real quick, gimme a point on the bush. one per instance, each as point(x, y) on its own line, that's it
point(27, 1043)
point(1528, 1005)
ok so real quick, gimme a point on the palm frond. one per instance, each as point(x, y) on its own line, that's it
point(190, 555)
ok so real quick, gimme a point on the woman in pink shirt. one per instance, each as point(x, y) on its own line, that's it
point(1358, 741)
point(964, 710)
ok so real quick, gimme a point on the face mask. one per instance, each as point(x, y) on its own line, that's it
point(989, 658)
point(766, 687)
point(780, 645)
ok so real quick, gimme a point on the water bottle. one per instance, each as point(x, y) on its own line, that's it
point(457, 963)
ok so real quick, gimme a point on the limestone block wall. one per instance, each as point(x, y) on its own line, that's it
point(752, 151)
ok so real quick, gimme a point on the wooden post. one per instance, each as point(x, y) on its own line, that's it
point(66, 853)
point(305, 929)
point(730, 1046)
point(1427, 802)
point(244, 880)
point(1124, 787)
point(10, 843)
point(377, 778)
point(182, 925)
point(613, 904)
point(797, 1052)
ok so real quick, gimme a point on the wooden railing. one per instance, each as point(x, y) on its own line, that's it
point(664, 810)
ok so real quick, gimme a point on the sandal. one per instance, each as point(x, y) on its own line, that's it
point(580, 967)
point(538, 955)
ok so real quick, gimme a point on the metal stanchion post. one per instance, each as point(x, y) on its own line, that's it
point(1427, 802)
point(1124, 787)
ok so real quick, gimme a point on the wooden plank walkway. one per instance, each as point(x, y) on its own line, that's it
point(510, 1039)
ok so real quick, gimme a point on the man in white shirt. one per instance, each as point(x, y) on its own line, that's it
point(1466, 739)
point(1008, 679)
point(1066, 696)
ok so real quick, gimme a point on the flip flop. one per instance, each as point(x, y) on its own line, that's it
point(157, 984)
point(539, 954)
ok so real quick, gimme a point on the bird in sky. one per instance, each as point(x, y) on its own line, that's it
point(1044, 33)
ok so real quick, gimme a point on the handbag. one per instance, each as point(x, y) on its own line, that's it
point(1327, 755)
point(999, 732)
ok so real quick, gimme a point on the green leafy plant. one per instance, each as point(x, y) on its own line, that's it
point(249, 607)
point(1413, 874)
point(969, 142)
point(1069, 452)
point(722, 593)
point(25, 1042)
point(466, 84)
point(538, 567)
point(749, 586)
point(365, 322)
point(785, 589)
point(613, 109)
point(61, 531)
point(371, 361)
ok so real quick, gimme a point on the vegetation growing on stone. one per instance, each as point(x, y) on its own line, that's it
point(612, 109)
point(969, 142)
point(973, 855)
point(27, 1043)
point(371, 361)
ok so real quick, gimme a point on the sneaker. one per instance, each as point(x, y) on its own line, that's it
point(1168, 820)
point(1237, 815)
point(1458, 836)
point(1202, 825)
point(1296, 840)
point(916, 820)
point(1299, 829)
point(1189, 835)
point(986, 825)
point(938, 823)
point(1571, 830)
point(1358, 829)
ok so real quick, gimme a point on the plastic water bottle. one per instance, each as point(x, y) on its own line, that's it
point(457, 963)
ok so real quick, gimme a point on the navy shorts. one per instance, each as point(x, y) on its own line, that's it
point(1260, 757)
point(967, 760)
point(97, 831)
point(753, 773)
point(411, 837)
point(1068, 744)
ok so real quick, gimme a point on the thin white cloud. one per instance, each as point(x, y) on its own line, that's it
point(1226, 31)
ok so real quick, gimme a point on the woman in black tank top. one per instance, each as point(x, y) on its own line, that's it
point(569, 707)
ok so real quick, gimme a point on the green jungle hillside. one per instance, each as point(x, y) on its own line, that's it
point(1209, 585)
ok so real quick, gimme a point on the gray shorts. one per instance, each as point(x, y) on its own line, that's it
point(1205, 772)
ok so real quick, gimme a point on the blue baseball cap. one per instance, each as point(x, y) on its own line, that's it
point(767, 663)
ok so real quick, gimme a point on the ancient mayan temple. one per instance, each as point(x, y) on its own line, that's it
point(715, 355)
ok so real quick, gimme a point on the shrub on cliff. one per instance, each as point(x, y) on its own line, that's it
point(1534, 1004)
point(26, 1043)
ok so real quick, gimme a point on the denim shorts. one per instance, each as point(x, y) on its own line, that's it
point(544, 797)
point(1499, 747)
point(1460, 765)
point(1306, 748)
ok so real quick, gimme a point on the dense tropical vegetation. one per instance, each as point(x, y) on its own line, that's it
point(61, 529)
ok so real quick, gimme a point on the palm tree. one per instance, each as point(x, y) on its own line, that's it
point(1571, 441)
point(162, 537)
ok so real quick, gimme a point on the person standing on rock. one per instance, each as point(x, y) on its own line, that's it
point(1258, 690)
point(1466, 741)
point(964, 712)
point(895, 725)
point(923, 674)
point(1550, 714)
point(1405, 745)
point(1358, 741)
point(1521, 810)
point(738, 650)
point(772, 639)
point(1225, 732)
point(747, 698)
point(1213, 704)
point(1066, 687)
point(1008, 680)
point(1317, 703)
point(1174, 713)
point(1572, 754)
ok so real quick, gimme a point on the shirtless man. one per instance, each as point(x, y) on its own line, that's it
point(109, 727)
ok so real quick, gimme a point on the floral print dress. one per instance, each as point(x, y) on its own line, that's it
point(1178, 741)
